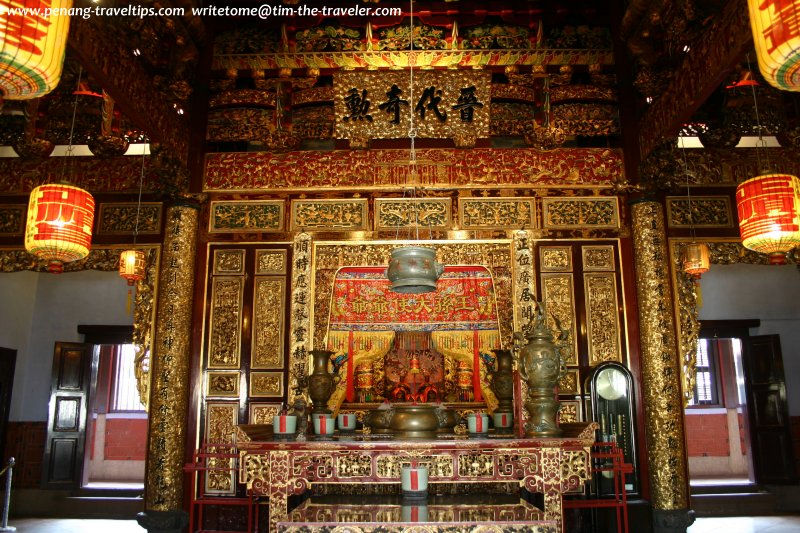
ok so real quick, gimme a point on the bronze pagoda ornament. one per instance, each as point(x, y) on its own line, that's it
point(541, 366)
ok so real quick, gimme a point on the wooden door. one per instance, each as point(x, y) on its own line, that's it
point(8, 361)
point(768, 411)
point(66, 426)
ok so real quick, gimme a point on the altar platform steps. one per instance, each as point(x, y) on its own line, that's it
point(439, 513)
point(733, 500)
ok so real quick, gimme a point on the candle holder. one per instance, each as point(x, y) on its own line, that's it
point(414, 482)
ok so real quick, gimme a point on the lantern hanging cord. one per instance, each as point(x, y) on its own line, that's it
point(761, 144)
point(139, 199)
point(688, 189)
point(70, 148)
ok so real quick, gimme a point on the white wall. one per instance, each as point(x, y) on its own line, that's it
point(768, 293)
point(56, 305)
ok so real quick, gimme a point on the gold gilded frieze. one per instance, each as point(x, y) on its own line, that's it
point(269, 303)
point(558, 293)
point(266, 384)
point(555, 258)
point(475, 465)
point(222, 384)
point(598, 258)
point(699, 211)
point(353, 465)
point(579, 213)
point(127, 218)
point(569, 411)
point(496, 213)
point(246, 216)
point(602, 327)
point(12, 220)
point(270, 262)
point(400, 213)
point(262, 413)
point(570, 382)
point(228, 262)
point(221, 421)
point(225, 332)
point(330, 215)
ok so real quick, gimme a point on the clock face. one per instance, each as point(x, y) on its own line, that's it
point(611, 384)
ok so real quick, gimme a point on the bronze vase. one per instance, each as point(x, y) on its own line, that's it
point(320, 382)
point(541, 366)
point(503, 381)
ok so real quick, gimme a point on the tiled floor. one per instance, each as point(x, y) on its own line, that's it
point(758, 524)
point(747, 524)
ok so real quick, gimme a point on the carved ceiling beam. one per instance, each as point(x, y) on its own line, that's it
point(711, 59)
point(132, 88)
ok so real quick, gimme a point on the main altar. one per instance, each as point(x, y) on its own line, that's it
point(551, 467)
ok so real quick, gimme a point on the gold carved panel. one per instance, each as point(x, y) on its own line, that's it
point(270, 262)
point(700, 211)
point(580, 213)
point(388, 466)
point(221, 421)
point(246, 216)
point(399, 213)
point(598, 258)
point(330, 215)
point(496, 213)
point(127, 218)
point(570, 383)
point(228, 262)
point(269, 303)
point(222, 384)
point(446, 104)
point(262, 413)
point(353, 465)
point(226, 319)
point(569, 411)
point(602, 328)
point(555, 258)
point(558, 294)
point(266, 384)
point(12, 220)
point(475, 465)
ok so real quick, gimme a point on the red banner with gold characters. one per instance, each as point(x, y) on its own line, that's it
point(464, 300)
point(33, 37)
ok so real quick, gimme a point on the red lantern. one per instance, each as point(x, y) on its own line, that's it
point(132, 265)
point(33, 37)
point(59, 229)
point(769, 214)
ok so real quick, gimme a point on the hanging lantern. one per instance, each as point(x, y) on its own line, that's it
point(777, 41)
point(413, 270)
point(32, 46)
point(132, 265)
point(59, 228)
point(769, 214)
point(696, 259)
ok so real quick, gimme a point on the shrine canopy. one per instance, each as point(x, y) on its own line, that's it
point(464, 300)
point(460, 318)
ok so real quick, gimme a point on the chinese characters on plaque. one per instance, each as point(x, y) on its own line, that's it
point(379, 105)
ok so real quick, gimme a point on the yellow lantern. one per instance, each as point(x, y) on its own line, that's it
point(132, 265)
point(769, 214)
point(59, 228)
point(33, 36)
point(776, 34)
point(696, 259)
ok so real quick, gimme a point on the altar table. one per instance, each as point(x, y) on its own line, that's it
point(550, 466)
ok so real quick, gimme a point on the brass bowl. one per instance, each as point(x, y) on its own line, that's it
point(414, 421)
point(448, 420)
point(378, 421)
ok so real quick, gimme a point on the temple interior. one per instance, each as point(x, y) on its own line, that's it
point(261, 262)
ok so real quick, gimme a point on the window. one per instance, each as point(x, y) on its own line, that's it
point(125, 394)
point(707, 383)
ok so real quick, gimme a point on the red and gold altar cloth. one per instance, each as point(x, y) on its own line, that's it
point(549, 466)
point(464, 300)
